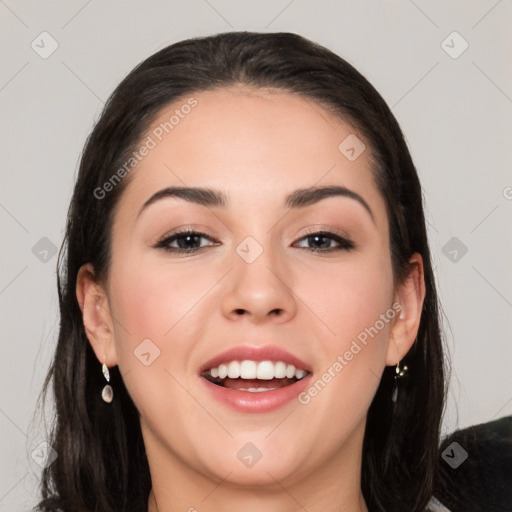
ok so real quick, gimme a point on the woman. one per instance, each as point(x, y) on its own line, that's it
point(210, 355)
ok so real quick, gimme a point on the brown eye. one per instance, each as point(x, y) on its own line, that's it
point(187, 241)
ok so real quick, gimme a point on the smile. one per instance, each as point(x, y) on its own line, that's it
point(244, 379)
point(254, 376)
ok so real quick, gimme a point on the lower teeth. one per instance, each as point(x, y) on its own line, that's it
point(220, 382)
point(257, 390)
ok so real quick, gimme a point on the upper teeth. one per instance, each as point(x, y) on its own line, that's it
point(265, 370)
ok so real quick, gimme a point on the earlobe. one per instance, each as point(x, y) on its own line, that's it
point(96, 316)
point(410, 294)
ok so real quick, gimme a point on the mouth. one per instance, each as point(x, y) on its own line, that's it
point(255, 379)
point(254, 376)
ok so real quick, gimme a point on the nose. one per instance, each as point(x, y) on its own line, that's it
point(261, 290)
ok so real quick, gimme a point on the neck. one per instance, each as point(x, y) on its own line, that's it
point(255, 501)
point(223, 496)
point(334, 486)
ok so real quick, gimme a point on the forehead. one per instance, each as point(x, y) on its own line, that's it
point(254, 144)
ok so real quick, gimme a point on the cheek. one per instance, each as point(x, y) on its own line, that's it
point(156, 318)
point(355, 302)
point(348, 297)
point(160, 308)
point(144, 308)
point(150, 300)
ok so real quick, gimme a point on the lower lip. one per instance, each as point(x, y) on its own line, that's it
point(257, 402)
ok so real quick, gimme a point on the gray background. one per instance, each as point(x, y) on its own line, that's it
point(455, 111)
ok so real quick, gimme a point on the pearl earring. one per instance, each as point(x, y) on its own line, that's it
point(107, 392)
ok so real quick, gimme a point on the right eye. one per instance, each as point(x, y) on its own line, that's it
point(186, 241)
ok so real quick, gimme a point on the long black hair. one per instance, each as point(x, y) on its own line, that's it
point(102, 463)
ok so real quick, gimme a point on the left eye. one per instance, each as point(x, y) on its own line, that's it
point(343, 243)
point(187, 242)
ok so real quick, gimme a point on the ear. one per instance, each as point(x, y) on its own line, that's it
point(410, 294)
point(96, 316)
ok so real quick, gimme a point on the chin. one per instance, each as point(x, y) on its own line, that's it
point(252, 460)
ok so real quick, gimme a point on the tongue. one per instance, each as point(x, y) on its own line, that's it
point(256, 383)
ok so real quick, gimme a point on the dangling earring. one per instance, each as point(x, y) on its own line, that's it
point(398, 374)
point(107, 392)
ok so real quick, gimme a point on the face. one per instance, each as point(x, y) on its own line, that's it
point(304, 283)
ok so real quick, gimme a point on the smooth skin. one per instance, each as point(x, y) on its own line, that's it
point(256, 146)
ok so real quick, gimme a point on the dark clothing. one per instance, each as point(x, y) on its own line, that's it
point(475, 468)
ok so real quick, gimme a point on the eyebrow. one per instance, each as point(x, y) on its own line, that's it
point(215, 198)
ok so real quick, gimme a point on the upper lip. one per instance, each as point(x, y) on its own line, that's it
point(255, 353)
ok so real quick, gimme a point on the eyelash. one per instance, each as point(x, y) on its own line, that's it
point(344, 243)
